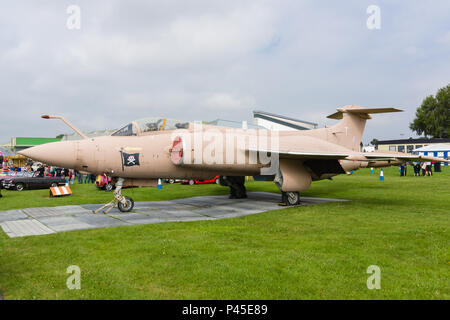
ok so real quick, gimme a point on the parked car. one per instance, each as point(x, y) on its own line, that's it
point(194, 181)
point(12, 174)
point(172, 181)
point(32, 181)
point(103, 182)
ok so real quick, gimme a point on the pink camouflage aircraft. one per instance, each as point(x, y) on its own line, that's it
point(148, 149)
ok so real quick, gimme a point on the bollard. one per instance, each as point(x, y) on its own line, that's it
point(381, 175)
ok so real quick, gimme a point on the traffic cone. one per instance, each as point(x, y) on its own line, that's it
point(371, 170)
point(381, 175)
point(159, 184)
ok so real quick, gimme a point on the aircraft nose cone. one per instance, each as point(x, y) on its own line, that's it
point(59, 154)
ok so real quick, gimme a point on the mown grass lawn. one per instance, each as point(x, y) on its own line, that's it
point(315, 252)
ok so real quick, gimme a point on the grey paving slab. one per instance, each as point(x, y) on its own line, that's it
point(34, 221)
point(55, 211)
point(67, 223)
point(26, 227)
point(101, 220)
point(12, 215)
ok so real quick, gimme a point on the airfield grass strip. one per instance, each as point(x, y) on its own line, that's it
point(311, 252)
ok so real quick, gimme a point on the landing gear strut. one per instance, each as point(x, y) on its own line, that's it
point(125, 204)
point(236, 184)
point(290, 199)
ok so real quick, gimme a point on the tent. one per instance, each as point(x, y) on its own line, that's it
point(435, 150)
point(6, 152)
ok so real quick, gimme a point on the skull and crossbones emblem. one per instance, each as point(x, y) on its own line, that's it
point(131, 160)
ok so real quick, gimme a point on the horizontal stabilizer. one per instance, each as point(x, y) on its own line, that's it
point(362, 112)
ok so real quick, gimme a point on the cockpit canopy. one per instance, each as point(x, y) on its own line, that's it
point(141, 126)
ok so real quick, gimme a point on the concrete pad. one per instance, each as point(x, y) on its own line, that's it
point(68, 223)
point(12, 215)
point(55, 211)
point(20, 228)
point(34, 221)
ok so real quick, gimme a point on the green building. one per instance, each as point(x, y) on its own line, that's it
point(21, 143)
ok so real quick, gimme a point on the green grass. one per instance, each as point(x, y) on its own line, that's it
point(315, 252)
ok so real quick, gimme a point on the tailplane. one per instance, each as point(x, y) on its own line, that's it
point(348, 132)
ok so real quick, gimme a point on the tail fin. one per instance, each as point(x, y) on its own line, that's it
point(348, 132)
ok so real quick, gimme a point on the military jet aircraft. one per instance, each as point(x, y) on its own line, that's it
point(148, 149)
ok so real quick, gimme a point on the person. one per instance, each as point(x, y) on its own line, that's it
point(79, 177)
point(403, 168)
point(428, 169)
point(424, 168)
point(92, 177)
point(41, 171)
point(87, 178)
point(71, 176)
point(65, 174)
point(416, 169)
point(58, 172)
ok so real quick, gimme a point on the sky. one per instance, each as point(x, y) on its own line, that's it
point(207, 59)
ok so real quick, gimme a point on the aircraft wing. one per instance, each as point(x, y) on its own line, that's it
point(366, 156)
point(385, 156)
point(304, 155)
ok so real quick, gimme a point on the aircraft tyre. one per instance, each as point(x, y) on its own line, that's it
point(290, 199)
point(236, 184)
point(126, 207)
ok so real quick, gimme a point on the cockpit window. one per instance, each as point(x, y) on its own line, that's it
point(152, 125)
point(128, 130)
point(160, 124)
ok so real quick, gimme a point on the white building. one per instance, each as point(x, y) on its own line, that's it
point(435, 150)
point(276, 122)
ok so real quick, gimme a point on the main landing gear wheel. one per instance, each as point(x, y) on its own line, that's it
point(290, 199)
point(127, 205)
point(236, 184)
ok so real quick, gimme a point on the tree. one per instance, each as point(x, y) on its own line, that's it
point(433, 116)
point(374, 142)
point(59, 136)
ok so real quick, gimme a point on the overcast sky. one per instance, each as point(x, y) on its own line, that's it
point(206, 59)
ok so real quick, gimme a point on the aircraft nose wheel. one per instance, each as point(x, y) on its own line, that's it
point(127, 206)
point(290, 199)
point(124, 204)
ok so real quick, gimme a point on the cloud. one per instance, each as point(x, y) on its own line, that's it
point(228, 101)
point(202, 60)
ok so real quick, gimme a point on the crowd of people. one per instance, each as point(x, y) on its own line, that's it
point(420, 168)
point(69, 174)
point(49, 171)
